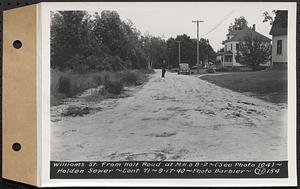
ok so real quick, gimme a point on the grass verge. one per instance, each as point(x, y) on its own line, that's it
point(268, 85)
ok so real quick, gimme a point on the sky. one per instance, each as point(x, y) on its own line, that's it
point(173, 21)
point(169, 19)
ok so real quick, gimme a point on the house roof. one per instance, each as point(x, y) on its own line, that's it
point(241, 34)
point(279, 26)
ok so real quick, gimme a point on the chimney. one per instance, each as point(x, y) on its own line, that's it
point(253, 27)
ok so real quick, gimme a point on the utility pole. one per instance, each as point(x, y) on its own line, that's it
point(178, 51)
point(197, 21)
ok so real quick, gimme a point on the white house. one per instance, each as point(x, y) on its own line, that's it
point(279, 40)
point(231, 45)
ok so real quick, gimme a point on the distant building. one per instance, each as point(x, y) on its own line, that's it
point(231, 46)
point(279, 39)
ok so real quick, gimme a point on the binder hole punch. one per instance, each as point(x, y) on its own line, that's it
point(17, 44)
point(16, 146)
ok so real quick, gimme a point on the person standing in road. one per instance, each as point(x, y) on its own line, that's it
point(163, 68)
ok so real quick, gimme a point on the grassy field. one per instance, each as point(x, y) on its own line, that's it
point(268, 85)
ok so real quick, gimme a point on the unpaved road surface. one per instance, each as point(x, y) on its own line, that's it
point(174, 118)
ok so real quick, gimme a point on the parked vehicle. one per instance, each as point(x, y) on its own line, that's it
point(184, 69)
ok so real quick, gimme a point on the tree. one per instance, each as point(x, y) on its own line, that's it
point(172, 53)
point(132, 50)
point(108, 30)
point(189, 50)
point(122, 40)
point(72, 41)
point(278, 16)
point(83, 42)
point(155, 49)
point(239, 24)
point(206, 51)
point(253, 52)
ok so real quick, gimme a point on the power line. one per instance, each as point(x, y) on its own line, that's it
point(219, 23)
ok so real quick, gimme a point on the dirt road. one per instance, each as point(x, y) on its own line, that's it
point(179, 117)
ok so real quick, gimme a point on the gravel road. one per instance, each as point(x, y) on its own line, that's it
point(179, 118)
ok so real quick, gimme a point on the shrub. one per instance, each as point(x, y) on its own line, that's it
point(147, 71)
point(210, 70)
point(130, 77)
point(74, 111)
point(113, 86)
point(56, 98)
point(64, 85)
point(98, 79)
point(112, 83)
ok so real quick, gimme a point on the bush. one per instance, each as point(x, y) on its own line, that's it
point(113, 87)
point(98, 79)
point(76, 111)
point(56, 98)
point(210, 70)
point(64, 85)
point(69, 83)
point(147, 71)
point(130, 77)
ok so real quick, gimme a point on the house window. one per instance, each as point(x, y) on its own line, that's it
point(225, 48)
point(279, 46)
point(230, 46)
point(228, 58)
point(237, 46)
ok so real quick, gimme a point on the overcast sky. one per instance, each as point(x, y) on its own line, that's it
point(171, 19)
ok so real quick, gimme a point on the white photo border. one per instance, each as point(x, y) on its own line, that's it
point(43, 92)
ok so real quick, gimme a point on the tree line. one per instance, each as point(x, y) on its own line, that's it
point(81, 41)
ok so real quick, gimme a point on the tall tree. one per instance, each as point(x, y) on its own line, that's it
point(66, 31)
point(206, 53)
point(155, 49)
point(132, 51)
point(253, 51)
point(121, 38)
point(172, 52)
point(72, 40)
point(238, 24)
point(276, 16)
point(188, 49)
point(108, 30)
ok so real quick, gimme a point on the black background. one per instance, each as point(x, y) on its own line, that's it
point(10, 4)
